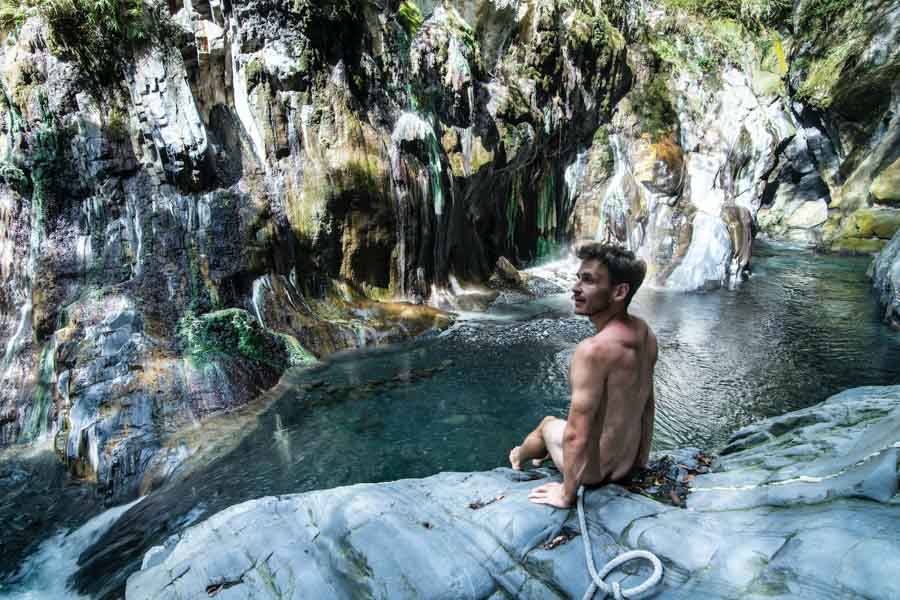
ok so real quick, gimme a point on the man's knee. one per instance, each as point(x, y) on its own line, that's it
point(552, 429)
point(546, 420)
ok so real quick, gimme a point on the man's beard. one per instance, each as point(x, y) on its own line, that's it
point(599, 305)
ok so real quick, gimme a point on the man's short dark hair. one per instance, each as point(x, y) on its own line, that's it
point(623, 265)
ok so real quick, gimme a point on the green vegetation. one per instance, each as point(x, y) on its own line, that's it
point(601, 140)
point(254, 72)
point(410, 17)
point(330, 10)
point(702, 46)
point(824, 74)
point(593, 30)
point(752, 14)
point(296, 353)
point(820, 16)
point(98, 35)
point(840, 37)
point(654, 107)
point(232, 333)
point(117, 124)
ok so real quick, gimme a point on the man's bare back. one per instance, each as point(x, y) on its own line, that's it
point(625, 404)
point(610, 423)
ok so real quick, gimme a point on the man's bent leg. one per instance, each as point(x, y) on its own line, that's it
point(533, 446)
point(553, 440)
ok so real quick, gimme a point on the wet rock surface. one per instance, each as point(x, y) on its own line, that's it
point(799, 506)
point(886, 281)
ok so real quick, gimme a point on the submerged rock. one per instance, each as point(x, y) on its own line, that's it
point(799, 506)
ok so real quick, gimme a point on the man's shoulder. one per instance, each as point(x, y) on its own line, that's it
point(600, 346)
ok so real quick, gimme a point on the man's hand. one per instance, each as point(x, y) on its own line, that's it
point(552, 494)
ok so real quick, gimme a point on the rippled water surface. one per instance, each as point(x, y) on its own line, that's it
point(802, 328)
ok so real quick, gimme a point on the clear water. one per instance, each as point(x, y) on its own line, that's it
point(802, 328)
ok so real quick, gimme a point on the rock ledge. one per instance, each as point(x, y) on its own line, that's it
point(804, 505)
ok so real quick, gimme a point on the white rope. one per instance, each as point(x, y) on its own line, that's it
point(597, 578)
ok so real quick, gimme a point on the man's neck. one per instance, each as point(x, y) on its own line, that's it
point(603, 318)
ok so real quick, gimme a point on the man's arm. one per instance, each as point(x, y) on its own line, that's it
point(588, 377)
point(649, 414)
point(589, 371)
point(647, 419)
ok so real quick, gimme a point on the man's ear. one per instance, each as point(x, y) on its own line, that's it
point(620, 292)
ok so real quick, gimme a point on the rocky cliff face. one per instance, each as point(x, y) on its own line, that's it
point(273, 179)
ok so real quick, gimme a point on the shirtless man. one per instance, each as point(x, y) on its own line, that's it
point(610, 422)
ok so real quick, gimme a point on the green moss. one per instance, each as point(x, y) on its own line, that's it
point(820, 15)
point(590, 31)
point(254, 72)
point(702, 46)
point(297, 355)
point(232, 333)
point(654, 107)
point(98, 35)
point(601, 142)
point(117, 124)
point(857, 245)
point(752, 14)
point(410, 17)
point(824, 74)
point(466, 34)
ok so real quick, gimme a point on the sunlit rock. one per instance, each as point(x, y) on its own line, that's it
point(780, 507)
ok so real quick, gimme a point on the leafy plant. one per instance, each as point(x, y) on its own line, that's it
point(98, 35)
point(819, 16)
point(752, 14)
point(231, 333)
point(654, 107)
point(410, 17)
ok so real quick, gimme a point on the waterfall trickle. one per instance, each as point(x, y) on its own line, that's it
point(261, 285)
point(617, 225)
point(573, 175)
point(706, 262)
point(418, 198)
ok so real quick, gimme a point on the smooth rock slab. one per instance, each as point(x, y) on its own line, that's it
point(822, 535)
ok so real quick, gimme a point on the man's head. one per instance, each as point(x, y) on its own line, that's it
point(608, 275)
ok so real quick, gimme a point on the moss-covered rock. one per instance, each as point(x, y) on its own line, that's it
point(871, 223)
point(886, 187)
point(410, 17)
point(233, 332)
point(653, 105)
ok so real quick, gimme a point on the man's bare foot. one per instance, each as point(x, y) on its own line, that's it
point(514, 459)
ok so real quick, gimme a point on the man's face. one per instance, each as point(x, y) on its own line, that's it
point(592, 291)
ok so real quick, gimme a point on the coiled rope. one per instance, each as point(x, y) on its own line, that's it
point(597, 578)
